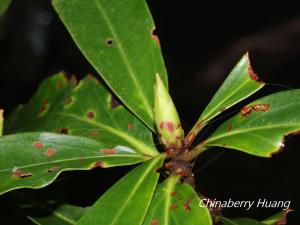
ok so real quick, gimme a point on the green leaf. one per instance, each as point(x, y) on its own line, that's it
point(279, 217)
point(128, 200)
point(46, 209)
point(240, 84)
point(1, 122)
point(117, 39)
point(260, 127)
point(34, 160)
point(4, 5)
point(175, 203)
point(86, 109)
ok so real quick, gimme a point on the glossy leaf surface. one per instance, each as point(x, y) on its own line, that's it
point(127, 201)
point(260, 127)
point(176, 204)
point(86, 109)
point(34, 160)
point(117, 38)
point(240, 84)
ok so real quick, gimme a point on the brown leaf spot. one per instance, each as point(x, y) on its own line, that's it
point(20, 173)
point(59, 84)
point(245, 111)
point(190, 138)
point(174, 193)
point(90, 115)
point(69, 101)
point(222, 109)
point(229, 127)
point(173, 206)
point(63, 130)
point(53, 169)
point(45, 105)
point(252, 74)
point(154, 36)
point(261, 107)
point(130, 126)
point(93, 133)
point(186, 205)
point(167, 125)
point(109, 151)
point(38, 145)
point(50, 152)
point(154, 222)
point(199, 125)
point(98, 164)
point(109, 41)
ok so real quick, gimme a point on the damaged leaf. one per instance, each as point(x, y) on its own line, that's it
point(262, 129)
point(82, 109)
point(31, 167)
point(175, 203)
point(240, 84)
point(118, 41)
point(128, 199)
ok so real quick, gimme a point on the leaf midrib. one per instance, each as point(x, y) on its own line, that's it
point(133, 190)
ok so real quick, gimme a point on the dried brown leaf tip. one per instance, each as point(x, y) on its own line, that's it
point(16, 172)
point(245, 111)
point(50, 152)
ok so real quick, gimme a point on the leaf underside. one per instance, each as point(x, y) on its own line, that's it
point(34, 160)
point(116, 37)
point(261, 126)
point(86, 109)
point(176, 204)
point(127, 201)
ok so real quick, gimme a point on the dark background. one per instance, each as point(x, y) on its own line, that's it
point(201, 41)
